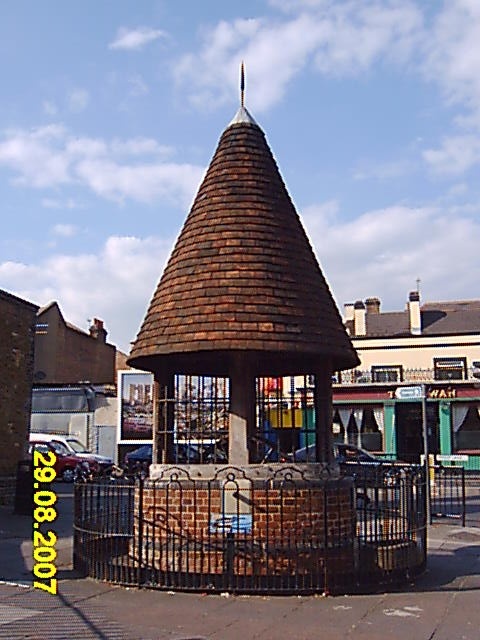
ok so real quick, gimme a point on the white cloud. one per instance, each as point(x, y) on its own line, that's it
point(338, 38)
point(34, 156)
point(88, 285)
point(65, 230)
point(384, 171)
point(143, 183)
point(383, 252)
point(453, 55)
point(456, 155)
point(140, 146)
point(78, 100)
point(52, 203)
point(135, 39)
point(357, 34)
point(318, 218)
point(138, 86)
point(85, 147)
point(459, 189)
point(133, 168)
point(289, 6)
point(50, 108)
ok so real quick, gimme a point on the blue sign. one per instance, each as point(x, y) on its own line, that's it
point(231, 523)
point(409, 393)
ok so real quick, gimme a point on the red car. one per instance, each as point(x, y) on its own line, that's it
point(66, 462)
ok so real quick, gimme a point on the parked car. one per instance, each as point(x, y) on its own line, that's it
point(66, 465)
point(193, 451)
point(370, 472)
point(139, 459)
point(343, 453)
point(353, 460)
point(364, 466)
point(65, 444)
point(350, 453)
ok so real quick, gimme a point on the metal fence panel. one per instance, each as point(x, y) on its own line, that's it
point(283, 534)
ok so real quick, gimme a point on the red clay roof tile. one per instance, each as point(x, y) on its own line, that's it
point(242, 275)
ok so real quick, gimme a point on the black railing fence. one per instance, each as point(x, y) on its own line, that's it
point(447, 493)
point(234, 533)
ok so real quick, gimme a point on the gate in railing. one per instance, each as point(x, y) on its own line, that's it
point(447, 493)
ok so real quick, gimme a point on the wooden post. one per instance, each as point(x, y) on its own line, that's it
point(163, 417)
point(323, 414)
point(242, 411)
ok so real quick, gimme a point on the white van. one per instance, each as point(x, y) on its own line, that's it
point(70, 445)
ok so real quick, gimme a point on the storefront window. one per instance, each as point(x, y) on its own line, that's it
point(371, 436)
point(364, 426)
point(466, 427)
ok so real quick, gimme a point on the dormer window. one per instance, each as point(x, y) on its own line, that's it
point(450, 368)
point(388, 373)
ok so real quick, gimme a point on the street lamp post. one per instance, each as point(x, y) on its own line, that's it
point(425, 450)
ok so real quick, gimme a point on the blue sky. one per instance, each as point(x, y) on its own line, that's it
point(110, 112)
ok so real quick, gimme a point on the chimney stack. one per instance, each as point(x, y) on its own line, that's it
point(415, 319)
point(97, 330)
point(359, 320)
point(373, 305)
point(348, 311)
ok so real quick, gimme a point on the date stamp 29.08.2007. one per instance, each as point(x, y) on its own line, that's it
point(44, 512)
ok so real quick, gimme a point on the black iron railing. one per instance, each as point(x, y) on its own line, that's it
point(447, 493)
point(181, 533)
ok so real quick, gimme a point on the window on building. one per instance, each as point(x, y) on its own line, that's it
point(371, 435)
point(389, 373)
point(338, 430)
point(62, 400)
point(450, 368)
point(466, 427)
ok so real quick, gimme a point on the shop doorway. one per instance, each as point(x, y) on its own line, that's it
point(408, 420)
point(409, 430)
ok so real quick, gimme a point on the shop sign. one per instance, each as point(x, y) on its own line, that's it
point(415, 393)
point(409, 393)
point(456, 457)
point(447, 392)
point(222, 523)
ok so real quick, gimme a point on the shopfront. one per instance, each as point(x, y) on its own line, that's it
point(378, 420)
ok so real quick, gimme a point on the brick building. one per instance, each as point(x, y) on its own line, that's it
point(74, 379)
point(17, 329)
point(64, 354)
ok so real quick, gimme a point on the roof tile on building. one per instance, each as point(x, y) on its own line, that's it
point(437, 318)
point(393, 323)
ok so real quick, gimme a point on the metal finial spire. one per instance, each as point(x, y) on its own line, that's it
point(242, 115)
point(242, 85)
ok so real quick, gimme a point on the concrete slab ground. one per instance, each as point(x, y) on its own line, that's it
point(442, 604)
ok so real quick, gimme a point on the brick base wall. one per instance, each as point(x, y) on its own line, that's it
point(289, 528)
point(7, 490)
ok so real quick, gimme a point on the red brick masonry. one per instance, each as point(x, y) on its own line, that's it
point(288, 528)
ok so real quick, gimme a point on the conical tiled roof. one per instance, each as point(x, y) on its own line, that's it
point(242, 275)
